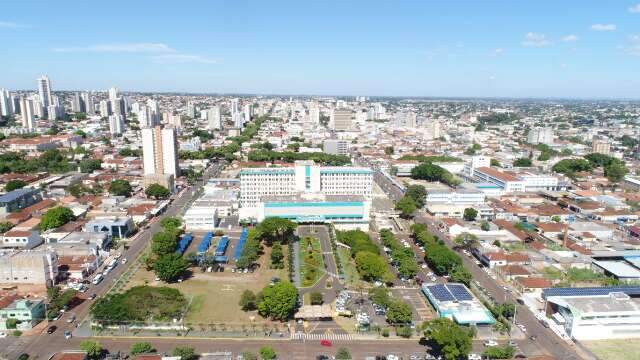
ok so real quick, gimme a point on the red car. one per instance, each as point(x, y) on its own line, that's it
point(325, 342)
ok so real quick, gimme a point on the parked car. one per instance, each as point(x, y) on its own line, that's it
point(51, 329)
point(474, 357)
point(67, 335)
point(71, 318)
point(489, 343)
point(325, 342)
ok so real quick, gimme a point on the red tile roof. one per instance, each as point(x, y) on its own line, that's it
point(534, 282)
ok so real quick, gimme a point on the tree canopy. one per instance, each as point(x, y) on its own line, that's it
point(157, 191)
point(56, 217)
point(430, 172)
point(168, 267)
point(470, 214)
point(449, 339)
point(14, 185)
point(120, 187)
point(371, 266)
point(278, 301)
point(522, 162)
point(398, 312)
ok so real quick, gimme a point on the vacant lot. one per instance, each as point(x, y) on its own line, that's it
point(214, 297)
point(623, 349)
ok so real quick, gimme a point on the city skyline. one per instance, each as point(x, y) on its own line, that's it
point(373, 49)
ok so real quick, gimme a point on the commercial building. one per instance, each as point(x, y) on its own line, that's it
point(595, 313)
point(160, 153)
point(118, 227)
point(28, 270)
point(455, 302)
point(214, 120)
point(508, 182)
point(336, 147)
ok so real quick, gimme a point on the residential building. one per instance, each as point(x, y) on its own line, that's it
point(18, 199)
point(44, 91)
point(214, 119)
point(27, 313)
point(24, 240)
point(27, 113)
point(160, 151)
point(116, 124)
point(341, 119)
point(406, 119)
point(5, 103)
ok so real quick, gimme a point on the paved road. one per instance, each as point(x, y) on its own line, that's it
point(546, 342)
point(330, 270)
point(41, 344)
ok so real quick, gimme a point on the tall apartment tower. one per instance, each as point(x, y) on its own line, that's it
point(191, 110)
point(406, 119)
point(6, 108)
point(116, 124)
point(87, 99)
point(314, 113)
point(160, 151)
point(27, 112)
point(104, 108)
point(341, 119)
point(247, 112)
point(214, 120)
point(76, 103)
point(113, 93)
point(44, 90)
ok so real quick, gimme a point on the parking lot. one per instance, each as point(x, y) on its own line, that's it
point(422, 311)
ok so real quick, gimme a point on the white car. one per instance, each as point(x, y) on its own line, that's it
point(490, 343)
point(124, 261)
point(522, 327)
point(3, 334)
point(474, 357)
point(424, 266)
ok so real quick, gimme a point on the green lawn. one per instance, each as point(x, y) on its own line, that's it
point(311, 262)
point(622, 349)
point(351, 277)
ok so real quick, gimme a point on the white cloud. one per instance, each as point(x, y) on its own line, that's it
point(532, 39)
point(12, 25)
point(603, 27)
point(184, 58)
point(496, 52)
point(635, 9)
point(570, 38)
point(633, 46)
point(121, 48)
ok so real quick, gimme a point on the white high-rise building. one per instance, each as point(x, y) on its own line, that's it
point(87, 99)
point(235, 108)
point(113, 93)
point(214, 120)
point(27, 113)
point(160, 151)
point(145, 117)
point(191, 110)
point(104, 108)
point(117, 106)
point(432, 130)
point(76, 103)
point(44, 90)
point(601, 146)
point(540, 136)
point(154, 108)
point(116, 124)
point(5, 103)
point(238, 120)
point(314, 113)
point(247, 113)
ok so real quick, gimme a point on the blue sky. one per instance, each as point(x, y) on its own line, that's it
point(509, 48)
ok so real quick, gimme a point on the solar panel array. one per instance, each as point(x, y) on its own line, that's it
point(460, 292)
point(590, 291)
point(450, 292)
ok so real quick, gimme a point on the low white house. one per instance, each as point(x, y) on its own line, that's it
point(18, 239)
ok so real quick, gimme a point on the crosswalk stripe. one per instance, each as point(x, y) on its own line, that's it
point(316, 336)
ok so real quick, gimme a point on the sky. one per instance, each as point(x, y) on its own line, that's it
point(452, 48)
